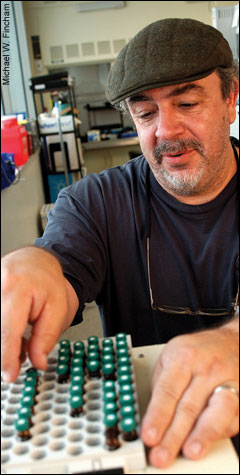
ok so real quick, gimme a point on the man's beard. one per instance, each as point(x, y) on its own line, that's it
point(182, 182)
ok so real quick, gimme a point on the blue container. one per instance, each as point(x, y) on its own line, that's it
point(57, 182)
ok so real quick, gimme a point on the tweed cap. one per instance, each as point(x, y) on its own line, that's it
point(167, 52)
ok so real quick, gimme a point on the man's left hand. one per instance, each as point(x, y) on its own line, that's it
point(184, 413)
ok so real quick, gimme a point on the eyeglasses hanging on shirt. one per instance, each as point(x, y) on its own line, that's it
point(172, 310)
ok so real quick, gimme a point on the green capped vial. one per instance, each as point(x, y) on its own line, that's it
point(122, 352)
point(76, 361)
point(124, 369)
point(32, 372)
point(66, 345)
point(93, 368)
point(93, 340)
point(125, 389)
point(128, 426)
point(63, 373)
point(110, 407)
point(107, 350)
point(27, 401)
point(126, 399)
point(77, 371)
point(127, 411)
point(76, 390)
point(109, 396)
point(111, 431)
point(22, 425)
point(121, 336)
point(93, 355)
point(25, 413)
point(107, 358)
point(124, 379)
point(123, 361)
point(109, 385)
point(78, 345)
point(29, 391)
point(77, 379)
point(76, 403)
point(107, 342)
point(108, 371)
point(31, 381)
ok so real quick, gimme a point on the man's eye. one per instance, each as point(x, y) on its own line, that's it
point(145, 115)
point(188, 105)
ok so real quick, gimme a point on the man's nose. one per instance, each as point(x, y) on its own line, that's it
point(169, 124)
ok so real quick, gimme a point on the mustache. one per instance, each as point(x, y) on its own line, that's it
point(176, 146)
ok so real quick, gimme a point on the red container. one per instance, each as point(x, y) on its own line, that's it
point(14, 139)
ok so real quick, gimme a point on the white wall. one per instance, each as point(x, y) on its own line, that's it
point(60, 23)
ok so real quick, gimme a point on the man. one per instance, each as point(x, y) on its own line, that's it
point(154, 242)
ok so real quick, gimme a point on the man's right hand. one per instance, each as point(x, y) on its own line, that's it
point(34, 291)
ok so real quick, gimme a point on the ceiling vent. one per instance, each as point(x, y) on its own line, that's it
point(72, 51)
point(118, 45)
point(101, 5)
point(104, 47)
point(56, 54)
point(88, 49)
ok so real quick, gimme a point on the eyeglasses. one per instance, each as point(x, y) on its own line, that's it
point(186, 310)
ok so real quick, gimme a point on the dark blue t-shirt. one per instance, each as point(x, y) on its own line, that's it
point(97, 229)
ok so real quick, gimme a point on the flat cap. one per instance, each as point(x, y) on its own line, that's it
point(167, 52)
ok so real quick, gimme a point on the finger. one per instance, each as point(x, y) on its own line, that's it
point(187, 411)
point(168, 389)
point(46, 332)
point(14, 316)
point(217, 421)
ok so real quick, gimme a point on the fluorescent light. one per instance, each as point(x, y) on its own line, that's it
point(91, 6)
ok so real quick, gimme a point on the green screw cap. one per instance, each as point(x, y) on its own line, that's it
point(62, 369)
point(106, 342)
point(64, 351)
point(107, 350)
point(93, 355)
point(77, 379)
point(30, 381)
point(76, 390)
point(122, 352)
point(108, 368)
point(121, 336)
point(110, 407)
point(29, 391)
point(24, 412)
point(109, 396)
point(77, 361)
point(32, 371)
point(110, 420)
point(124, 370)
point(22, 424)
point(125, 389)
point(77, 371)
point(93, 340)
point(63, 360)
point(27, 401)
point(78, 345)
point(126, 411)
point(121, 344)
point(124, 379)
point(107, 358)
point(109, 385)
point(76, 401)
point(93, 365)
point(64, 344)
point(128, 424)
point(123, 361)
point(126, 399)
point(79, 353)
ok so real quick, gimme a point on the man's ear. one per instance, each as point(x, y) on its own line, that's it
point(232, 100)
